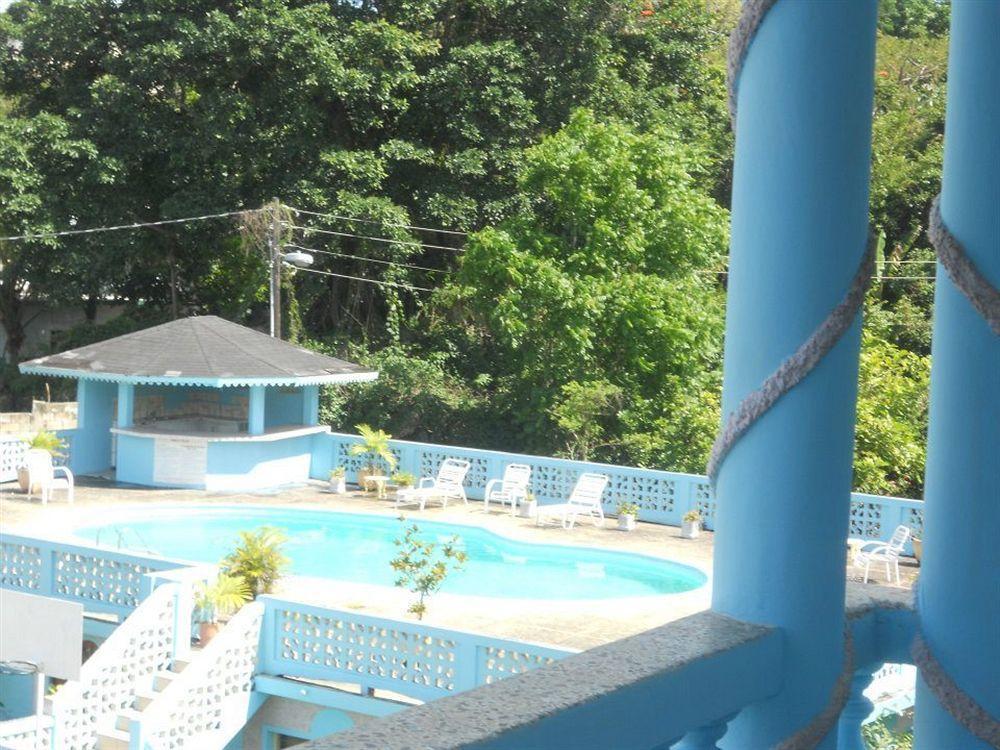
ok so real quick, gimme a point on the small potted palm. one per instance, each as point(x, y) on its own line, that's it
point(403, 480)
point(258, 559)
point(691, 524)
point(338, 480)
point(217, 601)
point(374, 447)
point(42, 441)
point(627, 515)
point(528, 508)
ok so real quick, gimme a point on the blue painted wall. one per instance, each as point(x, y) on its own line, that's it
point(135, 460)
point(236, 465)
point(91, 441)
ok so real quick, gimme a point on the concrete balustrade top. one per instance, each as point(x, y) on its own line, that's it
point(686, 661)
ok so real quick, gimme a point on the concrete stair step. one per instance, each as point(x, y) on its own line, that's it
point(123, 719)
point(162, 679)
point(112, 739)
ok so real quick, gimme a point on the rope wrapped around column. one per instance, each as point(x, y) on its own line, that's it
point(983, 296)
point(795, 368)
point(813, 733)
point(789, 374)
point(962, 706)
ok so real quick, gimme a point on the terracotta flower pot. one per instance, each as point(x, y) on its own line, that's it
point(207, 631)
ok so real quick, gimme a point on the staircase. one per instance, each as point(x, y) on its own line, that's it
point(199, 703)
point(135, 655)
point(116, 736)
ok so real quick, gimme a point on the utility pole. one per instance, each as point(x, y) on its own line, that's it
point(274, 253)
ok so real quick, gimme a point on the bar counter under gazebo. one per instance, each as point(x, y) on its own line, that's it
point(197, 403)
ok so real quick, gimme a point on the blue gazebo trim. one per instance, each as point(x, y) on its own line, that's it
point(220, 382)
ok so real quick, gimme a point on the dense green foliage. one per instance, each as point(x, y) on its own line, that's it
point(584, 146)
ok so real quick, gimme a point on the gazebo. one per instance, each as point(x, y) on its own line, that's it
point(197, 403)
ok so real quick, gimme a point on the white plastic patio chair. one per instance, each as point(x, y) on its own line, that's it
point(42, 475)
point(512, 489)
point(584, 500)
point(886, 553)
point(447, 485)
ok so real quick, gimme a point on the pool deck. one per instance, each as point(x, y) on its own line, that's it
point(578, 624)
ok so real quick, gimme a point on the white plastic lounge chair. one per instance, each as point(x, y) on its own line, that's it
point(447, 485)
point(882, 552)
point(512, 489)
point(42, 475)
point(585, 499)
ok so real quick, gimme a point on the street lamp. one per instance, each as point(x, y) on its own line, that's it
point(296, 259)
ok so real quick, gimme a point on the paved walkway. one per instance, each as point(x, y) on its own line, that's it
point(573, 624)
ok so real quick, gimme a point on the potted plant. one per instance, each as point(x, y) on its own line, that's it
point(46, 442)
point(374, 447)
point(528, 507)
point(403, 480)
point(627, 514)
point(338, 480)
point(258, 559)
point(691, 524)
point(216, 601)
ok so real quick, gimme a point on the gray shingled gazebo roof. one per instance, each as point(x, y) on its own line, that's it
point(201, 350)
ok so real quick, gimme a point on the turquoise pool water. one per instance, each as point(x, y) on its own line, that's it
point(358, 548)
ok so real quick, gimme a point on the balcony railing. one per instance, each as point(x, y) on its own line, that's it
point(274, 636)
point(409, 658)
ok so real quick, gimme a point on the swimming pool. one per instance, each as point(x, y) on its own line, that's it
point(358, 547)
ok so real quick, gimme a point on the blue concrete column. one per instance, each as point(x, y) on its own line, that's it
point(959, 595)
point(310, 405)
point(255, 410)
point(126, 404)
point(799, 231)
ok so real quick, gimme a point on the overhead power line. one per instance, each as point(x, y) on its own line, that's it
point(368, 260)
point(135, 225)
point(375, 239)
point(370, 281)
point(376, 221)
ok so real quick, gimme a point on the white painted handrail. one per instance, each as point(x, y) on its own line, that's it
point(210, 699)
point(138, 648)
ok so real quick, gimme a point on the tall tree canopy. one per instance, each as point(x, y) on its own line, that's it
point(583, 145)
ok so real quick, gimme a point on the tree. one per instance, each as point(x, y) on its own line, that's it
point(42, 170)
point(423, 566)
point(579, 414)
point(396, 111)
point(606, 276)
point(890, 437)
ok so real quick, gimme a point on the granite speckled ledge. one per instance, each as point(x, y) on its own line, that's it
point(680, 661)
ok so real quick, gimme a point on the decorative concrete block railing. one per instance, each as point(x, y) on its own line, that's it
point(145, 643)
point(28, 733)
point(102, 580)
point(648, 690)
point(662, 496)
point(12, 450)
point(409, 658)
point(211, 699)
